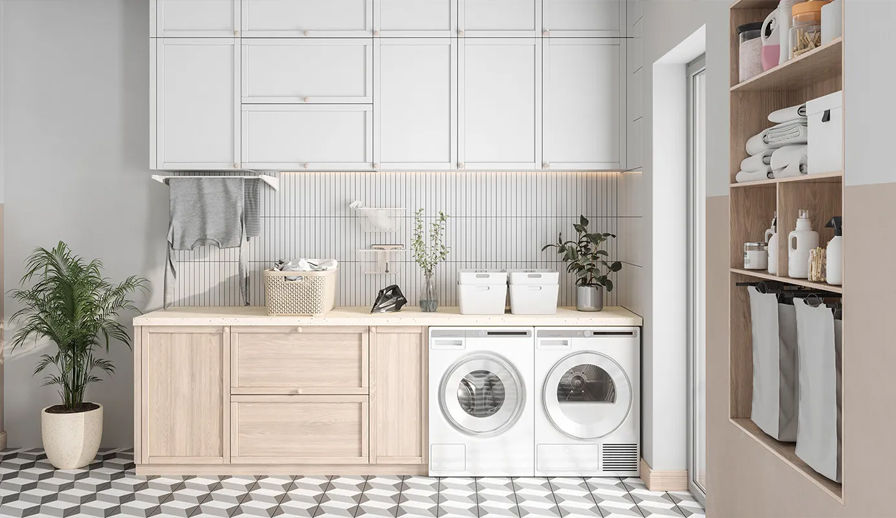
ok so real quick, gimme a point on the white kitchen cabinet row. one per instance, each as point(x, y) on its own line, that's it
point(387, 18)
point(388, 103)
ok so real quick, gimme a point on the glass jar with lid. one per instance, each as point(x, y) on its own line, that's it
point(805, 27)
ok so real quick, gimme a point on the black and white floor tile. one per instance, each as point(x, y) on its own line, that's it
point(29, 486)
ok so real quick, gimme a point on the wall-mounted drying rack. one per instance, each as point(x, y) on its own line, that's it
point(786, 293)
point(273, 181)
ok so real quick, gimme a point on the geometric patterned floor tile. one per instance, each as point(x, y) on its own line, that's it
point(304, 496)
point(342, 497)
point(419, 497)
point(139, 508)
point(651, 503)
point(217, 508)
point(59, 509)
point(99, 508)
point(457, 497)
point(687, 504)
point(77, 496)
point(239, 483)
point(535, 497)
point(574, 498)
point(19, 508)
point(612, 497)
point(496, 497)
point(380, 496)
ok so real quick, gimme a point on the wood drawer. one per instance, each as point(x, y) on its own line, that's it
point(316, 360)
point(299, 430)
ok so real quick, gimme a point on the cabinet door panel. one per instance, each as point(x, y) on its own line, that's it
point(497, 18)
point(197, 103)
point(197, 18)
point(584, 104)
point(307, 18)
point(185, 377)
point(413, 18)
point(299, 430)
point(499, 103)
point(416, 105)
point(307, 71)
point(323, 137)
point(584, 18)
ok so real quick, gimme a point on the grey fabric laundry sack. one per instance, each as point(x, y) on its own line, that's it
point(818, 437)
point(775, 380)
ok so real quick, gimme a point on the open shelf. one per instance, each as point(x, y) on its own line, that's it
point(821, 64)
point(762, 274)
point(821, 177)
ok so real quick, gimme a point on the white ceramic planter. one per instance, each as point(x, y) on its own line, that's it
point(71, 440)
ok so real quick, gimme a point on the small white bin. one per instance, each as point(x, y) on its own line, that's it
point(482, 292)
point(534, 292)
point(825, 154)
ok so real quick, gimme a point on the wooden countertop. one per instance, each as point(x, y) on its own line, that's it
point(361, 316)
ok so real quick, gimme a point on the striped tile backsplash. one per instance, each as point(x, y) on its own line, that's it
point(497, 220)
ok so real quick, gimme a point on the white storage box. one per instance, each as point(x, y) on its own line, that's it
point(825, 133)
point(482, 292)
point(534, 292)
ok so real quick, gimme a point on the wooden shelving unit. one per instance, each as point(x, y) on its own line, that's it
point(752, 206)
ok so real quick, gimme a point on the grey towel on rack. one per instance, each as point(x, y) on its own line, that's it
point(251, 208)
point(206, 211)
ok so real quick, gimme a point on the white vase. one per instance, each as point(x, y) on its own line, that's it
point(71, 440)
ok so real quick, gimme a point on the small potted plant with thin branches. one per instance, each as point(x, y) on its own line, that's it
point(586, 257)
point(71, 304)
point(429, 250)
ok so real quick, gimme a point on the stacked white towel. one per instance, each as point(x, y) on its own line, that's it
point(790, 161)
point(787, 140)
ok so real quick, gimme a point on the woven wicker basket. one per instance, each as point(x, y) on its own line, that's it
point(310, 293)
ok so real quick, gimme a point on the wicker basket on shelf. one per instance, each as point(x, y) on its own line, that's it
point(300, 293)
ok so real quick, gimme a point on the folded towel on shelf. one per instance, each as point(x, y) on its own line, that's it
point(787, 133)
point(757, 143)
point(752, 176)
point(794, 113)
point(790, 161)
point(793, 169)
point(758, 161)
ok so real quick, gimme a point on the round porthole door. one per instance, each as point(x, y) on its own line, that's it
point(482, 395)
point(587, 395)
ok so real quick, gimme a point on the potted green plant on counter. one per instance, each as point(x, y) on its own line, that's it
point(71, 304)
point(585, 256)
point(428, 253)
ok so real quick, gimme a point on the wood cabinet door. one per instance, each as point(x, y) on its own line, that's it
point(499, 103)
point(299, 430)
point(185, 374)
point(584, 104)
point(398, 395)
point(499, 18)
point(584, 18)
point(415, 18)
point(195, 18)
point(307, 18)
point(415, 113)
point(292, 360)
point(195, 102)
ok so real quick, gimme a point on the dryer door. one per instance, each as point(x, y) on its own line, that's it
point(587, 395)
point(482, 394)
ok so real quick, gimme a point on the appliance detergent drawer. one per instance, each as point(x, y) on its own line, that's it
point(448, 457)
point(562, 457)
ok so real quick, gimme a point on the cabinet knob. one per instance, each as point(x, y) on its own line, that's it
point(460, 32)
point(546, 165)
point(306, 165)
point(236, 33)
point(306, 99)
point(546, 33)
point(236, 165)
point(307, 33)
point(376, 166)
point(460, 165)
point(376, 33)
point(298, 330)
point(297, 391)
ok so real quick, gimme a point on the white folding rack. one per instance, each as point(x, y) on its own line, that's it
point(273, 181)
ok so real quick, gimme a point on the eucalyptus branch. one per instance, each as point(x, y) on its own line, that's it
point(428, 253)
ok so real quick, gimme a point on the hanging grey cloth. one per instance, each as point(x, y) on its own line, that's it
point(251, 207)
point(206, 211)
point(775, 380)
point(818, 437)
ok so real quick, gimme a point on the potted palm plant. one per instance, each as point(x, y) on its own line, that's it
point(586, 257)
point(71, 304)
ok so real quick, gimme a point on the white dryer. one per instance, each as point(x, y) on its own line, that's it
point(481, 401)
point(587, 416)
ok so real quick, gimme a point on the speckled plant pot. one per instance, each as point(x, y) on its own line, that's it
point(71, 440)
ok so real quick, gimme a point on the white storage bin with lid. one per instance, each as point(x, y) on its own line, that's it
point(534, 292)
point(482, 292)
point(825, 133)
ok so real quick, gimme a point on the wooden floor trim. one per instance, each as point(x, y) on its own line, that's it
point(669, 480)
point(284, 469)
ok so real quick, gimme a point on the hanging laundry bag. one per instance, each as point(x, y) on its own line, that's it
point(818, 437)
point(775, 380)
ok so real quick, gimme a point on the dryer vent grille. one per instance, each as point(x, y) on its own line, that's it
point(619, 457)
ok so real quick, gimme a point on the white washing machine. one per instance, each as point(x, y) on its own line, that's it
point(587, 416)
point(481, 401)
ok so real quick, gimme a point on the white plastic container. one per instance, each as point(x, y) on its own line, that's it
point(799, 242)
point(825, 133)
point(482, 292)
point(534, 292)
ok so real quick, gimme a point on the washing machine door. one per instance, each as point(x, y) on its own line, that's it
point(587, 395)
point(482, 395)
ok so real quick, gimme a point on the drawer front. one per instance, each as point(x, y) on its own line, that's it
point(299, 430)
point(289, 361)
point(307, 18)
point(318, 71)
point(322, 138)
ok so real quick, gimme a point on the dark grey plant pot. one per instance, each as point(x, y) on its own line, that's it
point(589, 298)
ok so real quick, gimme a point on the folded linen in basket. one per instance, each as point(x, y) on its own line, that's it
point(752, 176)
point(787, 133)
point(793, 113)
point(306, 265)
point(790, 161)
point(757, 162)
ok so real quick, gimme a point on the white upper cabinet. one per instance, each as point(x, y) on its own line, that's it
point(415, 18)
point(312, 71)
point(499, 103)
point(307, 18)
point(584, 111)
point(195, 97)
point(324, 137)
point(584, 18)
point(416, 104)
point(194, 18)
point(499, 18)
